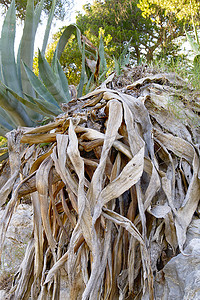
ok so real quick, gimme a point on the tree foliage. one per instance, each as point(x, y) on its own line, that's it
point(125, 19)
point(62, 7)
point(184, 10)
point(118, 22)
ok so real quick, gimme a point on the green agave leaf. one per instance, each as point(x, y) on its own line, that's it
point(117, 66)
point(83, 74)
point(88, 86)
point(14, 108)
point(5, 101)
point(63, 80)
point(127, 59)
point(3, 129)
point(69, 30)
point(5, 126)
point(123, 60)
point(37, 15)
point(50, 80)
point(26, 53)
point(46, 107)
point(18, 65)
point(1, 74)
point(103, 64)
point(102, 76)
point(5, 155)
point(7, 51)
point(48, 27)
point(7, 118)
point(5, 122)
point(88, 71)
point(90, 54)
point(30, 104)
point(39, 87)
point(195, 29)
point(27, 47)
point(196, 34)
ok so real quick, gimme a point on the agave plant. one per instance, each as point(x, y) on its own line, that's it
point(24, 98)
point(14, 82)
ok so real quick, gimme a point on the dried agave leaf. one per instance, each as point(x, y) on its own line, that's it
point(96, 278)
point(177, 145)
point(56, 267)
point(108, 80)
point(124, 222)
point(46, 127)
point(131, 263)
point(5, 221)
point(113, 125)
point(110, 136)
point(59, 159)
point(83, 204)
point(129, 226)
point(42, 176)
point(141, 115)
point(93, 101)
point(38, 138)
point(115, 188)
point(141, 209)
point(129, 176)
point(135, 141)
point(186, 212)
point(171, 124)
point(153, 187)
point(170, 231)
point(38, 161)
point(38, 244)
point(160, 211)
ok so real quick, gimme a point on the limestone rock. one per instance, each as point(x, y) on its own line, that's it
point(182, 275)
point(17, 237)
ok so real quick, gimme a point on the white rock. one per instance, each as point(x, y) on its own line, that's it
point(2, 295)
point(17, 237)
point(182, 274)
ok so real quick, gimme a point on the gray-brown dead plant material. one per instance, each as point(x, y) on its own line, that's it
point(113, 190)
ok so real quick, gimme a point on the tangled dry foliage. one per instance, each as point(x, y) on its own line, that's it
point(113, 192)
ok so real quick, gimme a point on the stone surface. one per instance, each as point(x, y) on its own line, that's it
point(2, 294)
point(17, 237)
point(182, 275)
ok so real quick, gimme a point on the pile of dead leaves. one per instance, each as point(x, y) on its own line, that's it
point(114, 183)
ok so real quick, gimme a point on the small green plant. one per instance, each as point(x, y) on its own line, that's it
point(123, 59)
